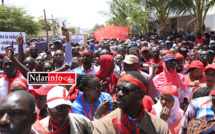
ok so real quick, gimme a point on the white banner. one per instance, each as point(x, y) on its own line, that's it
point(79, 38)
point(7, 37)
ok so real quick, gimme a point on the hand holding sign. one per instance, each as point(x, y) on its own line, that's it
point(9, 51)
point(19, 40)
point(65, 32)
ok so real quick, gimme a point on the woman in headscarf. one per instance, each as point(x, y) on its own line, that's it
point(170, 75)
point(168, 108)
point(106, 75)
point(195, 74)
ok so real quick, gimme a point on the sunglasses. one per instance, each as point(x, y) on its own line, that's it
point(125, 90)
point(170, 62)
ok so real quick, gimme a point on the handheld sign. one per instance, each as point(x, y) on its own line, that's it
point(7, 37)
point(41, 45)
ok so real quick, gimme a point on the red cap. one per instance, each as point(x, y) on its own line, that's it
point(21, 81)
point(197, 64)
point(144, 49)
point(44, 89)
point(166, 52)
point(170, 89)
point(212, 66)
point(212, 92)
point(178, 55)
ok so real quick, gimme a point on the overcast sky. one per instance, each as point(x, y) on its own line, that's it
point(79, 13)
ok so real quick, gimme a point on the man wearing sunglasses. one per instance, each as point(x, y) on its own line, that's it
point(59, 120)
point(204, 57)
point(131, 117)
point(131, 64)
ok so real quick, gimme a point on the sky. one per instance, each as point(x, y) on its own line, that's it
point(79, 13)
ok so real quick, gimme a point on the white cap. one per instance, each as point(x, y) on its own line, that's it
point(212, 42)
point(57, 96)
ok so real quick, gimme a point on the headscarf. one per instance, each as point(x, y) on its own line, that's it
point(176, 113)
point(105, 63)
point(166, 77)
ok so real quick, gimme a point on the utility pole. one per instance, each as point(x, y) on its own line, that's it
point(53, 24)
point(47, 35)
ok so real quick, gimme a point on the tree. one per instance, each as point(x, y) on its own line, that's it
point(128, 13)
point(42, 23)
point(198, 10)
point(72, 30)
point(16, 20)
point(96, 27)
point(162, 9)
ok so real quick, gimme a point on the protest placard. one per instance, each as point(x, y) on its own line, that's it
point(7, 37)
point(80, 38)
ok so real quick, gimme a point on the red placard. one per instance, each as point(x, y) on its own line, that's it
point(112, 32)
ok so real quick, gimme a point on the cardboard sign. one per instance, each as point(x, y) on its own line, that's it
point(80, 38)
point(41, 45)
point(7, 37)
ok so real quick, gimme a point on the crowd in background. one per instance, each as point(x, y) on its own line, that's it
point(145, 84)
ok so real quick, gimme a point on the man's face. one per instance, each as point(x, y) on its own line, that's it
point(41, 102)
point(59, 56)
point(86, 59)
point(118, 60)
point(170, 65)
point(93, 88)
point(59, 114)
point(145, 54)
point(127, 97)
point(130, 67)
point(38, 61)
point(192, 57)
point(33, 51)
point(29, 63)
point(168, 46)
point(180, 62)
point(16, 117)
point(121, 51)
point(196, 73)
point(57, 46)
point(155, 52)
point(173, 51)
point(210, 77)
point(47, 67)
point(9, 68)
point(204, 57)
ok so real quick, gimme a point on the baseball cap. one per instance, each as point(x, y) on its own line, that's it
point(196, 64)
point(58, 96)
point(212, 66)
point(144, 49)
point(44, 89)
point(169, 57)
point(212, 42)
point(130, 59)
point(58, 41)
point(211, 51)
point(167, 42)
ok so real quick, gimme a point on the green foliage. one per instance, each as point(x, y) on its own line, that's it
point(72, 30)
point(43, 24)
point(96, 27)
point(14, 19)
point(128, 13)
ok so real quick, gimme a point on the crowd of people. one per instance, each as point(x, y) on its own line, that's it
point(150, 84)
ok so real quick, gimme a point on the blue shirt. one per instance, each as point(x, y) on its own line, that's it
point(78, 105)
point(198, 108)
